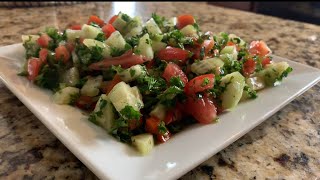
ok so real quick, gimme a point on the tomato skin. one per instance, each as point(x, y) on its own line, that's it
point(249, 67)
point(196, 49)
point(172, 54)
point(259, 48)
point(152, 125)
point(43, 54)
point(108, 29)
point(95, 19)
point(34, 66)
point(199, 84)
point(116, 79)
point(70, 46)
point(185, 20)
point(86, 103)
point(266, 61)
point(125, 62)
point(173, 115)
point(202, 109)
point(173, 70)
point(44, 40)
point(208, 45)
point(76, 27)
point(164, 137)
point(133, 124)
point(112, 19)
point(62, 53)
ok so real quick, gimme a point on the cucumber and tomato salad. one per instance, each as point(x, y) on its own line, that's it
point(145, 81)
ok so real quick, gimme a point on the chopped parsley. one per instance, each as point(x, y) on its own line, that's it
point(176, 81)
point(284, 74)
point(129, 113)
point(162, 128)
point(251, 93)
point(205, 82)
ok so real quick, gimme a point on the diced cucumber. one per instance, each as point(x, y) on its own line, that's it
point(157, 46)
point(255, 83)
point(152, 27)
point(189, 31)
point(116, 41)
point(136, 92)
point(207, 65)
point(91, 87)
point(169, 24)
point(90, 32)
point(144, 47)
point(132, 73)
point(75, 59)
point(106, 50)
point(234, 83)
point(122, 95)
point(232, 37)
point(143, 142)
point(71, 76)
point(134, 32)
point(273, 72)
point(119, 24)
point(229, 51)
point(159, 111)
point(73, 34)
point(104, 112)
point(29, 38)
point(66, 95)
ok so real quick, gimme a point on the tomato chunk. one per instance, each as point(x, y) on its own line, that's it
point(44, 40)
point(172, 54)
point(108, 29)
point(199, 84)
point(152, 125)
point(116, 79)
point(86, 103)
point(173, 70)
point(34, 66)
point(259, 48)
point(202, 109)
point(249, 67)
point(185, 20)
point(266, 61)
point(43, 54)
point(95, 19)
point(62, 53)
point(161, 138)
point(76, 27)
point(133, 123)
point(112, 19)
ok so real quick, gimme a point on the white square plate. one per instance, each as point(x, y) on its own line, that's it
point(108, 158)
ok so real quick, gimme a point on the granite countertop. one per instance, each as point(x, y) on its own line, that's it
point(285, 146)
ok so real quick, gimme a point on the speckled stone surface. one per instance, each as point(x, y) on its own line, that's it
point(285, 146)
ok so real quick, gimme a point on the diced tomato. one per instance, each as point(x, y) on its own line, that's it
point(133, 124)
point(62, 53)
point(172, 54)
point(150, 64)
point(173, 70)
point(34, 65)
point(202, 109)
point(86, 103)
point(266, 61)
point(249, 67)
point(108, 29)
point(152, 125)
point(76, 27)
point(125, 61)
point(173, 115)
point(259, 48)
point(161, 138)
point(208, 45)
point(230, 43)
point(70, 46)
point(95, 19)
point(185, 20)
point(43, 53)
point(196, 49)
point(44, 40)
point(116, 79)
point(112, 19)
point(199, 84)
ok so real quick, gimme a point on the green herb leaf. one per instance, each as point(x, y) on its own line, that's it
point(129, 113)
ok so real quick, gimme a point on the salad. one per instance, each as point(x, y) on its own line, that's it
point(145, 81)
